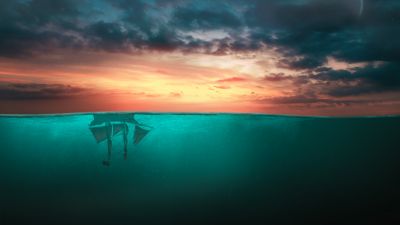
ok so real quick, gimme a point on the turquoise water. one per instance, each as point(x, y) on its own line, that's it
point(201, 169)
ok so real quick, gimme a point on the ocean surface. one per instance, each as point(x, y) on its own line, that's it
point(199, 169)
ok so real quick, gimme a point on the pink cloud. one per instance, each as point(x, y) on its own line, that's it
point(232, 79)
point(222, 87)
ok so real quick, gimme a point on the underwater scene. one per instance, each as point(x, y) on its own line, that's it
point(144, 168)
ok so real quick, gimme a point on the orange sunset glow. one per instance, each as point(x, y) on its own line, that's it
point(200, 64)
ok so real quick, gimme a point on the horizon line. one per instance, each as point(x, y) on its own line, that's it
point(190, 113)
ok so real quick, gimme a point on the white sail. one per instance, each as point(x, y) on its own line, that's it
point(139, 134)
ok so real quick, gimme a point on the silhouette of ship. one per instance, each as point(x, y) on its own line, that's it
point(105, 126)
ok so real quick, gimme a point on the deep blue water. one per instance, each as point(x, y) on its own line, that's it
point(200, 169)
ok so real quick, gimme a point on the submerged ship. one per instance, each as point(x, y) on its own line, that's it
point(105, 127)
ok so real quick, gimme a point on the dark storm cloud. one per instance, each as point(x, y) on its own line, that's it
point(28, 27)
point(109, 36)
point(204, 19)
point(307, 100)
point(307, 62)
point(277, 77)
point(305, 31)
point(37, 91)
point(329, 87)
point(385, 75)
point(313, 30)
point(370, 79)
point(23, 25)
point(304, 16)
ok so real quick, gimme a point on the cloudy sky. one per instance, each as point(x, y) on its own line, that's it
point(309, 57)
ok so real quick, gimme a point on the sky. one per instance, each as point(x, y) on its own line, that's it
point(303, 57)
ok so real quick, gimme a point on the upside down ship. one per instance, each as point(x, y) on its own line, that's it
point(105, 127)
